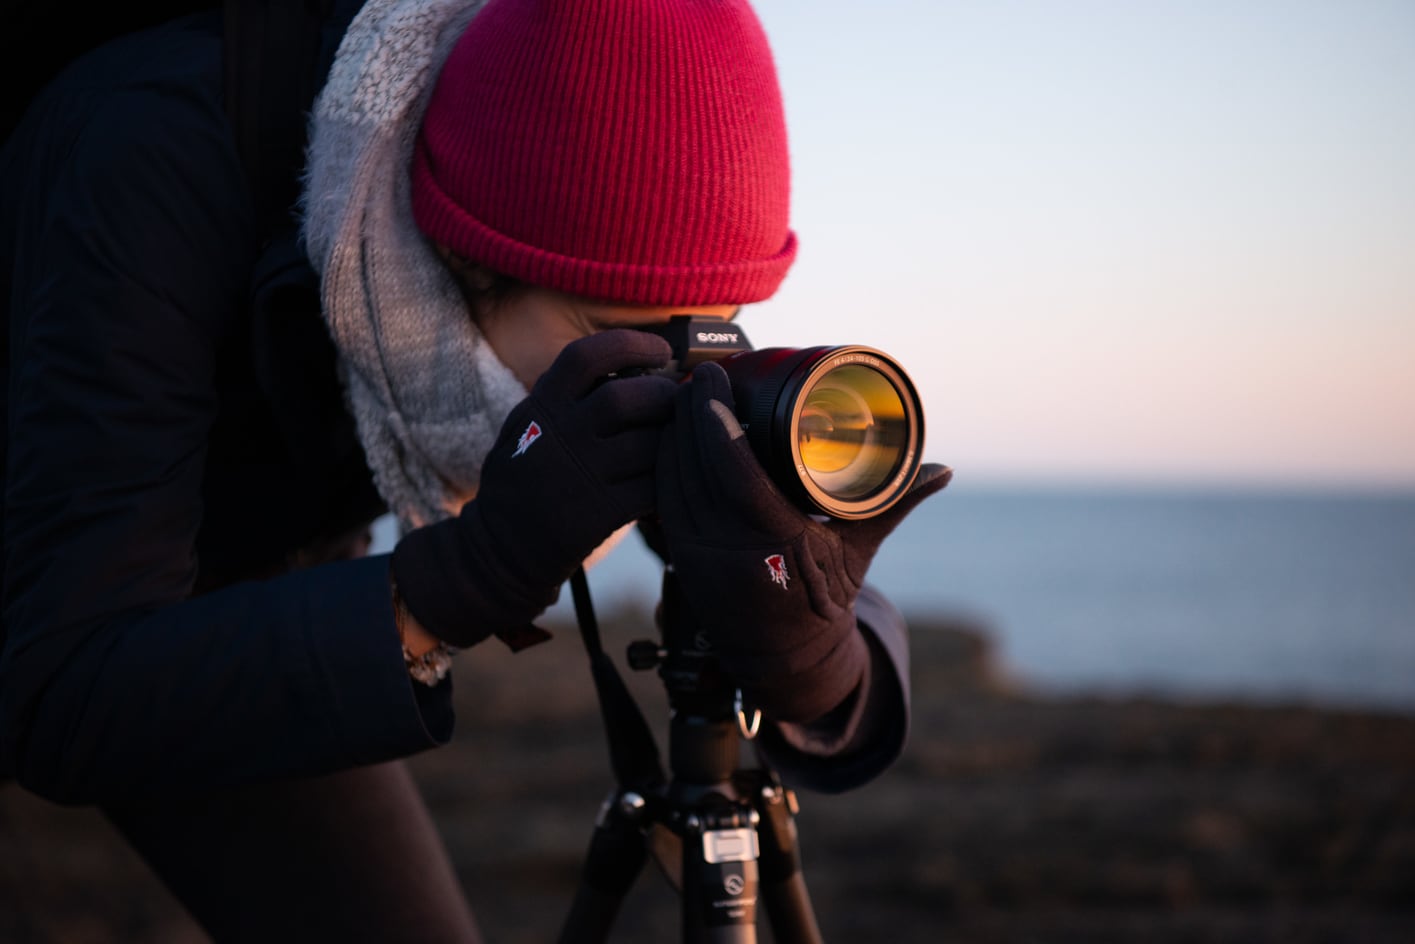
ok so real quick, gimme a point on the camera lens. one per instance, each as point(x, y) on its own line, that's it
point(840, 429)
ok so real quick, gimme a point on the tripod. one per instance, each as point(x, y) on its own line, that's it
point(725, 834)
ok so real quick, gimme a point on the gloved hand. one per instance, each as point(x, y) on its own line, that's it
point(573, 463)
point(773, 588)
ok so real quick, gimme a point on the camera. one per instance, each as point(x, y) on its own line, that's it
point(840, 429)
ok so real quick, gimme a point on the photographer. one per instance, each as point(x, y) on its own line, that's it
point(203, 417)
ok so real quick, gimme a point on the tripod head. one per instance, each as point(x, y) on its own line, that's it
point(722, 832)
point(698, 689)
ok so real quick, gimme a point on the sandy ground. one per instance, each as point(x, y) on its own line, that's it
point(1010, 818)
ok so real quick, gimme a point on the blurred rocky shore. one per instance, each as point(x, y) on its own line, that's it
point(1010, 818)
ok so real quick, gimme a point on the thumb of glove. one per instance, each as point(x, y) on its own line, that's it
point(861, 539)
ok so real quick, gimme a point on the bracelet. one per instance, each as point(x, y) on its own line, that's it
point(432, 666)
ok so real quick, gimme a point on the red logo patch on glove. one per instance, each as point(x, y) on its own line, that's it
point(776, 567)
point(531, 434)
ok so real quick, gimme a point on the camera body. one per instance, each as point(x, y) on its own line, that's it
point(840, 429)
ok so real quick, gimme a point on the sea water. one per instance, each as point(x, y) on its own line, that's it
point(1296, 597)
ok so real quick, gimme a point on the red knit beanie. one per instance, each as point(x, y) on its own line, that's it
point(630, 151)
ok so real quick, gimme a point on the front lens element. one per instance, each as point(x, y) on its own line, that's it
point(851, 433)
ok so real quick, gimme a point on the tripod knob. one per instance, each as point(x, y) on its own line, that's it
point(645, 654)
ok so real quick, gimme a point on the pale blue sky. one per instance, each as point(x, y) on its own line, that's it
point(1152, 242)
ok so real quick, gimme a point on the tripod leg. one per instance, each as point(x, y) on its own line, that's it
point(616, 855)
point(783, 887)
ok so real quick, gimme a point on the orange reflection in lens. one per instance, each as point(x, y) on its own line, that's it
point(851, 431)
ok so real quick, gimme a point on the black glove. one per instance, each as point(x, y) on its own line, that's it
point(573, 463)
point(773, 588)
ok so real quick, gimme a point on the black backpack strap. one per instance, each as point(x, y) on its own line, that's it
point(273, 69)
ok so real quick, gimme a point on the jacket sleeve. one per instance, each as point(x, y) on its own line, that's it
point(861, 739)
point(113, 682)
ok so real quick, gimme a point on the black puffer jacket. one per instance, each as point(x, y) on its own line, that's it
point(173, 425)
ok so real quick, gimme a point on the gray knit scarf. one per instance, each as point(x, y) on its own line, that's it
point(427, 392)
